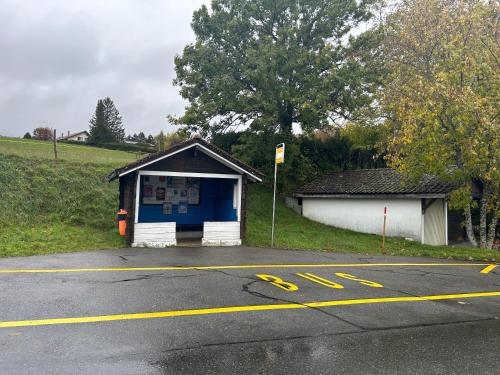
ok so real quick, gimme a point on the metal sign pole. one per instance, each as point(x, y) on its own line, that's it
point(274, 202)
point(279, 158)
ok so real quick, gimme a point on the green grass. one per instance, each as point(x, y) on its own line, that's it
point(34, 149)
point(296, 232)
point(48, 207)
point(52, 238)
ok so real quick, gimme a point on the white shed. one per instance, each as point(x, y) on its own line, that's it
point(356, 199)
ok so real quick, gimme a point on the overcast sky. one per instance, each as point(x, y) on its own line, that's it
point(57, 57)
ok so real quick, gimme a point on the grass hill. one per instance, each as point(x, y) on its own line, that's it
point(48, 207)
point(34, 149)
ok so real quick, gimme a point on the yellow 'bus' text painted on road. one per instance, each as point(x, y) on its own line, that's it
point(361, 281)
point(320, 280)
point(276, 281)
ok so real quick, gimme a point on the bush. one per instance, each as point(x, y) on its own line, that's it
point(306, 157)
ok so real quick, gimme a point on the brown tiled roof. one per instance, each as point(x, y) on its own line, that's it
point(152, 157)
point(372, 182)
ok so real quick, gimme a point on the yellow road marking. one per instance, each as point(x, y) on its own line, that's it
point(325, 282)
point(277, 282)
point(488, 269)
point(373, 284)
point(248, 266)
point(235, 309)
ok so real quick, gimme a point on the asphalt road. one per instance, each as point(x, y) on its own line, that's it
point(183, 311)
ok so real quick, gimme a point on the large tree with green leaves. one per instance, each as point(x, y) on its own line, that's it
point(268, 64)
point(442, 98)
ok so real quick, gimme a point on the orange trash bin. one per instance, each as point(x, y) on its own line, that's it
point(122, 222)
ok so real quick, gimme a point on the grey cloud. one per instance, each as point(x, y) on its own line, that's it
point(59, 58)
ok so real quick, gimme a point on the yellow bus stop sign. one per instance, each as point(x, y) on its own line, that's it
point(280, 153)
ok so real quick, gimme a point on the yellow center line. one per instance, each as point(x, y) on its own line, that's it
point(489, 268)
point(248, 266)
point(236, 309)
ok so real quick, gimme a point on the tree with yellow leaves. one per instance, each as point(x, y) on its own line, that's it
point(442, 100)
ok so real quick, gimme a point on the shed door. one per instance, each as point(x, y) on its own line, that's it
point(434, 224)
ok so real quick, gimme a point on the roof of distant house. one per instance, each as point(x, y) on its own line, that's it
point(73, 135)
point(179, 147)
point(372, 182)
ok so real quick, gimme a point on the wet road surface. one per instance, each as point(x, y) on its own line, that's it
point(247, 311)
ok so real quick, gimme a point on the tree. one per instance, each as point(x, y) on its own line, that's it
point(160, 141)
point(270, 64)
point(442, 94)
point(141, 138)
point(114, 120)
point(99, 129)
point(366, 144)
point(27, 135)
point(106, 123)
point(132, 138)
point(43, 133)
point(165, 141)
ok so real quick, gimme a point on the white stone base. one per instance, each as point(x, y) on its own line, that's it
point(205, 242)
point(154, 244)
point(154, 235)
point(221, 233)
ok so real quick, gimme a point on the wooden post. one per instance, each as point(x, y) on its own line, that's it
point(55, 145)
point(383, 230)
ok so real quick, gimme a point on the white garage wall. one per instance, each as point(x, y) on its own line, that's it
point(404, 216)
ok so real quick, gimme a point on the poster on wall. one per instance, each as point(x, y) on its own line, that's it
point(193, 195)
point(154, 190)
point(169, 189)
point(193, 190)
point(183, 207)
point(167, 208)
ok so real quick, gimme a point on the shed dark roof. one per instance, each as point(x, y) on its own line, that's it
point(372, 182)
point(179, 146)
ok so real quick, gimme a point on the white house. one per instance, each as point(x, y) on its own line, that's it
point(356, 200)
point(82, 136)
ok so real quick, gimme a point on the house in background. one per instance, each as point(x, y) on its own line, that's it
point(82, 136)
point(356, 199)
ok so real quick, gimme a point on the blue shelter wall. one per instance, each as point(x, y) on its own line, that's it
point(216, 204)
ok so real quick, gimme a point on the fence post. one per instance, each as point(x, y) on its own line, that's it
point(55, 145)
point(383, 230)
